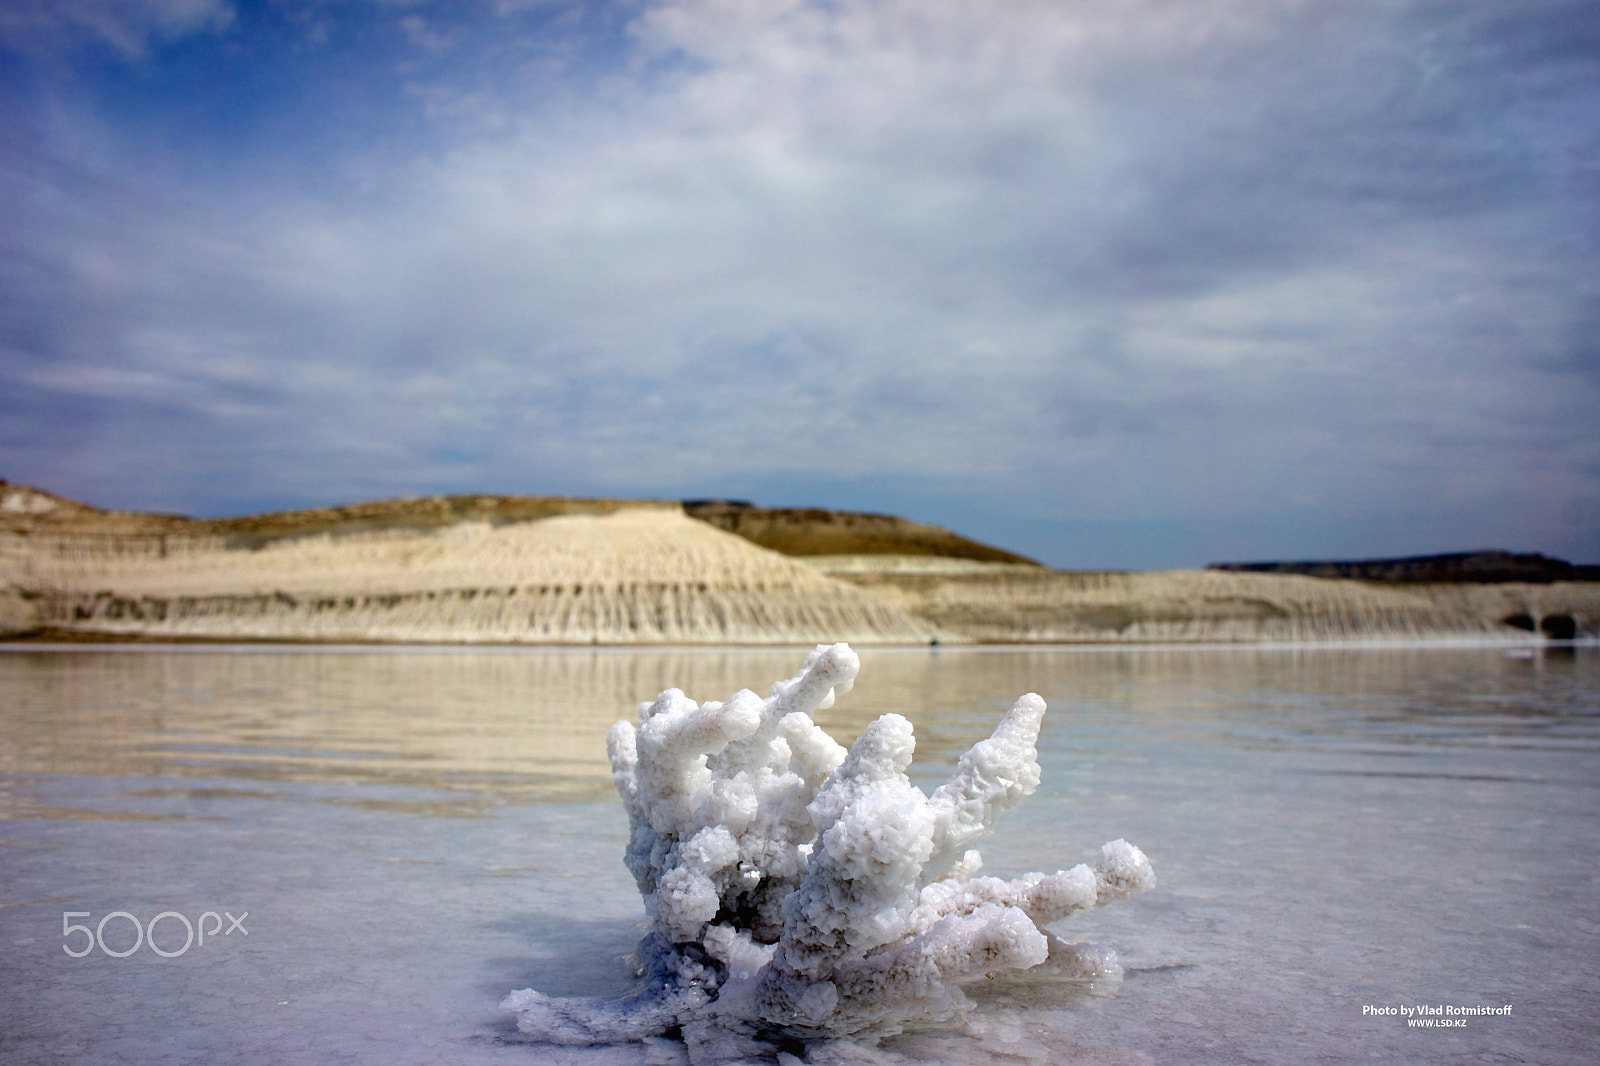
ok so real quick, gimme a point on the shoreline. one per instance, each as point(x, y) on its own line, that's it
point(95, 642)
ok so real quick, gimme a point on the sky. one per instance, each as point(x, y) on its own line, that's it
point(1121, 284)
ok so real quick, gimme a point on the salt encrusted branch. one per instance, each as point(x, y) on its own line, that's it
point(792, 885)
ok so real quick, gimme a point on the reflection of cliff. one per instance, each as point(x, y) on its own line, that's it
point(490, 569)
point(490, 726)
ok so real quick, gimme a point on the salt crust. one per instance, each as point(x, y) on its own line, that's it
point(806, 897)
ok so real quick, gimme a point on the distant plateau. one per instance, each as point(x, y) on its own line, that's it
point(486, 569)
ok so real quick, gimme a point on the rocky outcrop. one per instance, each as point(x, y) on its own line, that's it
point(808, 531)
point(18, 613)
point(1484, 567)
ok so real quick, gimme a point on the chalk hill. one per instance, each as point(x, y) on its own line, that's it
point(454, 569)
point(558, 570)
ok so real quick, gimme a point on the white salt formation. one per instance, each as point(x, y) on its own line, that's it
point(799, 892)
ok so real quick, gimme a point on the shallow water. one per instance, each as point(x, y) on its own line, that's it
point(414, 833)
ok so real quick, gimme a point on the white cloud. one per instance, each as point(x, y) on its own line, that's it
point(126, 25)
point(1136, 262)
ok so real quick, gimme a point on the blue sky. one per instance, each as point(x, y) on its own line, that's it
point(1119, 284)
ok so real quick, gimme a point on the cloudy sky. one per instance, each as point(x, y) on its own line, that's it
point(1126, 283)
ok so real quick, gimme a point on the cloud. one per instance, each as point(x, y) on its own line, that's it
point(1267, 278)
point(128, 26)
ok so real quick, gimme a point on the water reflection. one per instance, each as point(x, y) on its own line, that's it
point(507, 725)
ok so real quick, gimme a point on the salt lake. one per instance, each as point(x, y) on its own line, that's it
point(378, 844)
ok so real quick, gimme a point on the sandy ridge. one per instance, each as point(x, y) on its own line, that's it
point(636, 575)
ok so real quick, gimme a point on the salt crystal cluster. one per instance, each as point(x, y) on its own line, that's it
point(798, 892)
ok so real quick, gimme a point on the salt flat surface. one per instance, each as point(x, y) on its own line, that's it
point(415, 834)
